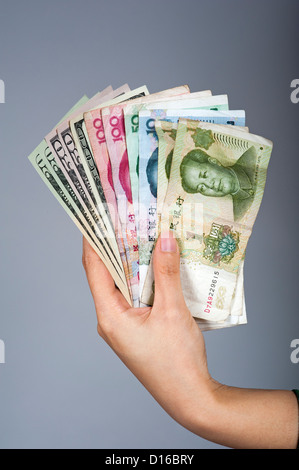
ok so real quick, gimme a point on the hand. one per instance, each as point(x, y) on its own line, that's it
point(165, 350)
point(162, 345)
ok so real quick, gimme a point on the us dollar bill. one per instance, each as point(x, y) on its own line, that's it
point(68, 174)
point(40, 158)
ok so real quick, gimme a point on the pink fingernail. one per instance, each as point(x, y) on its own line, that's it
point(168, 242)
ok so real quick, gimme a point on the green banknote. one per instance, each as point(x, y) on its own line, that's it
point(40, 158)
point(216, 184)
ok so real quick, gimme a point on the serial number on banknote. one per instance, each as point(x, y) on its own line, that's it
point(211, 292)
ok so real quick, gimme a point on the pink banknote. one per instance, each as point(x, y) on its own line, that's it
point(95, 130)
point(114, 131)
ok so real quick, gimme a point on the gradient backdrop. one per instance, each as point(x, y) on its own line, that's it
point(61, 385)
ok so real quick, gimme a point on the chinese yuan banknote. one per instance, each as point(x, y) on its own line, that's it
point(166, 131)
point(215, 188)
point(148, 174)
point(113, 123)
point(131, 118)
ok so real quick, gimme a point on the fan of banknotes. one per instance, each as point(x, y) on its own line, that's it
point(127, 165)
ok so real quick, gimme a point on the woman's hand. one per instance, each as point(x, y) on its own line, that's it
point(165, 350)
point(162, 345)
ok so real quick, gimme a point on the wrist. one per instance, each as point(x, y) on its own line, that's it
point(196, 406)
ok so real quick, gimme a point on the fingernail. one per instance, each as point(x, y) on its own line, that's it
point(168, 242)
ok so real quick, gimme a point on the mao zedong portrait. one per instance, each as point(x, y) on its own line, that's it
point(203, 174)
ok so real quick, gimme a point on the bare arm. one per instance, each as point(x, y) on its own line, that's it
point(165, 350)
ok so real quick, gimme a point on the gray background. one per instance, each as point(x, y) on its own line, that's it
point(61, 385)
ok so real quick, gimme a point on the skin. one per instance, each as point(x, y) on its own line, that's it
point(164, 348)
point(210, 179)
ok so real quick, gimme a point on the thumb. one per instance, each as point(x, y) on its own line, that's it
point(166, 262)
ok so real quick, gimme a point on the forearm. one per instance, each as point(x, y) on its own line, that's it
point(248, 418)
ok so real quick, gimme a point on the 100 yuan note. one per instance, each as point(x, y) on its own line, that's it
point(216, 185)
point(95, 129)
point(116, 145)
point(148, 171)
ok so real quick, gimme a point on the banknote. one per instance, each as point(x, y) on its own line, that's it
point(238, 314)
point(126, 96)
point(40, 158)
point(72, 156)
point(216, 184)
point(95, 131)
point(166, 127)
point(166, 131)
point(131, 127)
point(83, 146)
point(114, 131)
point(148, 174)
point(214, 102)
point(104, 168)
point(131, 117)
point(115, 140)
point(113, 150)
point(62, 145)
point(101, 226)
